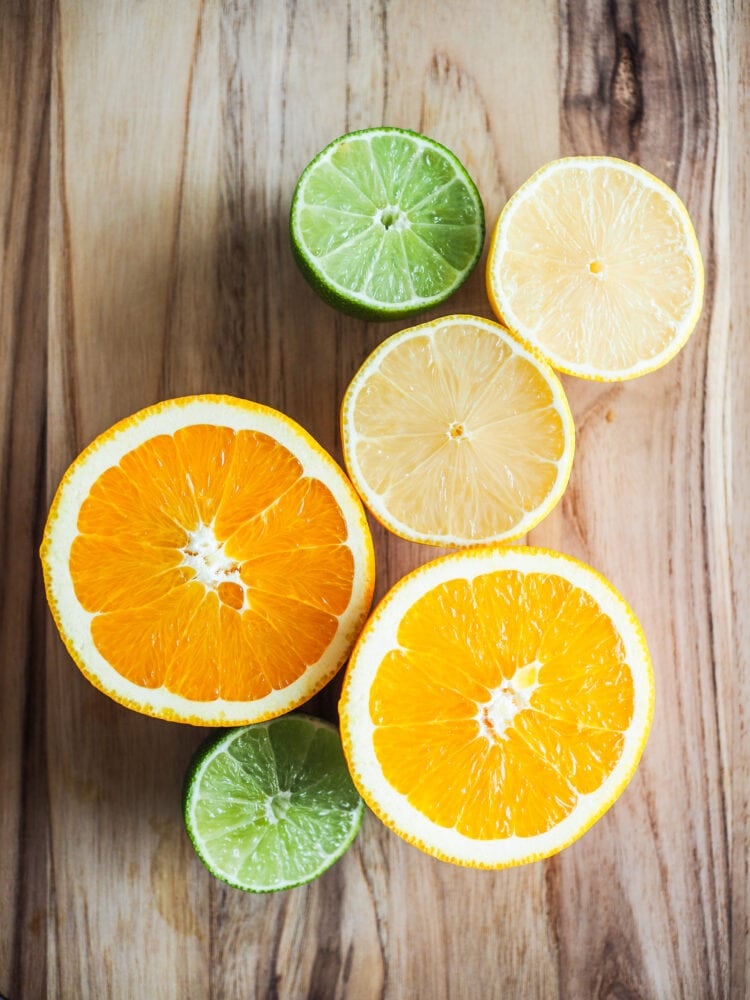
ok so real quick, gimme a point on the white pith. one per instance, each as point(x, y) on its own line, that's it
point(381, 635)
point(400, 219)
point(204, 554)
point(207, 559)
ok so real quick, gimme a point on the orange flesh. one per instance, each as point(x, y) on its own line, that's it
point(266, 607)
point(462, 647)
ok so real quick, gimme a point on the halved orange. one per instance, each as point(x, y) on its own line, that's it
point(594, 262)
point(455, 434)
point(496, 704)
point(207, 561)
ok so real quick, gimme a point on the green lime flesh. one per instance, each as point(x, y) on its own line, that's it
point(385, 223)
point(271, 806)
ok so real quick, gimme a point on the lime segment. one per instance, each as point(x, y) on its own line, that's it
point(386, 222)
point(271, 806)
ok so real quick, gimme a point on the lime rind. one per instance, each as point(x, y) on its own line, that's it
point(271, 806)
point(386, 223)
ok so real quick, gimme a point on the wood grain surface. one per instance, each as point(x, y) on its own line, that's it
point(148, 154)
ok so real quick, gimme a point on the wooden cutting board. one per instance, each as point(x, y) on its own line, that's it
point(148, 153)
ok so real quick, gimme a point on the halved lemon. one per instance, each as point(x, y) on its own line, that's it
point(496, 704)
point(595, 262)
point(207, 561)
point(455, 434)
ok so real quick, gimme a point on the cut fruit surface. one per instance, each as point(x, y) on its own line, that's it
point(271, 806)
point(496, 704)
point(455, 434)
point(207, 561)
point(595, 263)
point(386, 222)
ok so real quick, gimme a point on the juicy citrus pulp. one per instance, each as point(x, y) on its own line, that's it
point(207, 561)
point(453, 433)
point(385, 222)
point(496, 704)
point(272, 805)
point(595, 262)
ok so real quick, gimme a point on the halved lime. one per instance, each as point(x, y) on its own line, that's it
point(271, 806)
point(386, 222)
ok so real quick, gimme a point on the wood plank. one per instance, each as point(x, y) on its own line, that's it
point(25, 44)
point(125, 916)
point(151, 154)
point(728, 474)
point(640, 83)
point(361, 949)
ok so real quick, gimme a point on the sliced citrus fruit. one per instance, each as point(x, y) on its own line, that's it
point(496, 704)
point(386, 222)
point(207, 561)
point(271, 806)
point(595, 262)
point(455, 434)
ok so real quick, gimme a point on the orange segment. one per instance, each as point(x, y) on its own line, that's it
point(246, 494)
point(115, 505)
point(443, 627)
point(243, 639)
point(161, 479)
point(207, 453)
point(496, 704)
point(207, 561)
point(584, 756)
point(429, 762)
point(114, 573)
point(454, 434)
point(231, 594)
point(319, 576)
point(305, 512)
point(485, 786)
point(139, 643)
point(300, 634)
point(437, 698)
